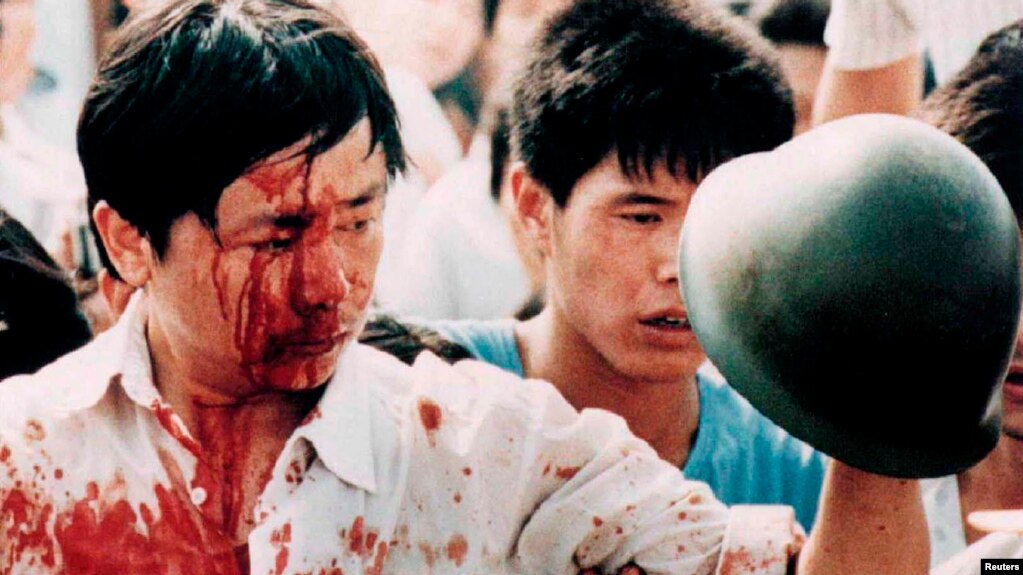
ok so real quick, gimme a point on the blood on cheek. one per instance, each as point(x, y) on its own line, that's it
point(303, 293)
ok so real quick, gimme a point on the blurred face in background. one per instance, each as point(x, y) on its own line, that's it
point(803, 65)
point(433, 39)
point(17, 35)
point(516, 24)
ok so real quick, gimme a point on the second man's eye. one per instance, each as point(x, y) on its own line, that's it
point(643, 218)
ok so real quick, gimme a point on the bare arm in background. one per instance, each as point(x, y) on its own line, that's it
point(867, 525)
point(895, 88)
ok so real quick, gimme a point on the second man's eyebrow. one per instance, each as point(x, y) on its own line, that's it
point(634, 198)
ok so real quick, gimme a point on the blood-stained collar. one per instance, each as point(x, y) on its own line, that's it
point(339, 429)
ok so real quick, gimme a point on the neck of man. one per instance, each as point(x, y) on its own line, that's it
point(239, 436)
point(664, 414)
point(994, 483)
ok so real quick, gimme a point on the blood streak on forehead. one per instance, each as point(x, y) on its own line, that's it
point(276, 179)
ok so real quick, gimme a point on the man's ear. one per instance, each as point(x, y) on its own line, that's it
point(534, 207)
point(129, 251)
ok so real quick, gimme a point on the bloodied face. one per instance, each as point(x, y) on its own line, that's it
point(267, 299)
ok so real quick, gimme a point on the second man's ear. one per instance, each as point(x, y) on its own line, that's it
point(534, 207)
point(129, 251)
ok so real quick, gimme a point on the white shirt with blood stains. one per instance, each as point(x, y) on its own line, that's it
point(428, 469)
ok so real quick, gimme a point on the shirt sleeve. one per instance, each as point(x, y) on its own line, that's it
point(597, 496)
point(996, 545)
point(866, 34)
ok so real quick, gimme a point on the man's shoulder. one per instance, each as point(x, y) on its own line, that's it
point(471, 389)
point(72, 382)
point(724, 411)
point(470, 406)
point(720, 401)
point(468, 384)
point(468, 331)
point(491, 341)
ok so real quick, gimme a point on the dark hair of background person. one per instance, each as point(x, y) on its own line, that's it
point(533, 306)
point(490, 15)
point(500, 148)
point(40, 319)
point(791, 21)
point(655, 80)
point(406, 341)
point(193, 93)
point(118, 13)
point(982, 107)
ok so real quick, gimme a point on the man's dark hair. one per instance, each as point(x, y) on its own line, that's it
point(656, 80)
point(195, 92)
point(500, 148)
point(490, 15)
point(791, 21)
point(982, 107)
point(40, 319)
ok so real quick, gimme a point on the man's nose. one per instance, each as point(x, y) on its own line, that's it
point(318, 275)
point(667, 256)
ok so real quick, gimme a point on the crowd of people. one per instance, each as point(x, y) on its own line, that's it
point(338, 286)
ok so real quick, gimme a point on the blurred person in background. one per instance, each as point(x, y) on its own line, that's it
point(433, 39)
point(64, 58)
point(877, 48)
point(796, 28)
point(40, 319)
point(40, 184)
point(982, 107)
point(465, 256)
point(512, 26)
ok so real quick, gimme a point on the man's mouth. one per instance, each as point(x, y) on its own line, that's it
point(667, 322)
point(312, 346)
point(1013, 388)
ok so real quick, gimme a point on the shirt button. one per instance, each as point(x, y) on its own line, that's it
point(198, 496)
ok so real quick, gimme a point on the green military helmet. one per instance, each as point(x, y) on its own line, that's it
point(860, 285)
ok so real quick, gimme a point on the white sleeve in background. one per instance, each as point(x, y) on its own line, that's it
point(996, 545)
point(401, 205)
point(458, 259)
point(424, 288)
point(953, 30)
point(866, 34)
point(944, 517)
point(425, 130)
